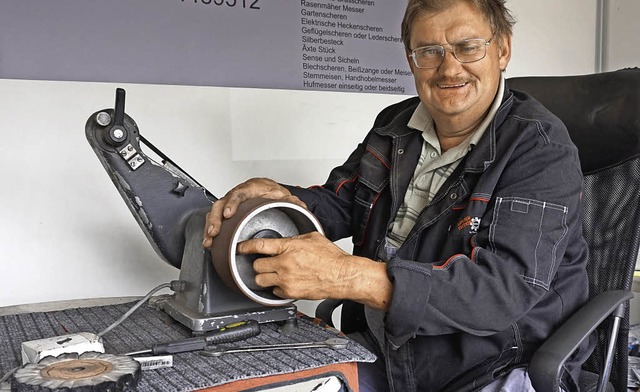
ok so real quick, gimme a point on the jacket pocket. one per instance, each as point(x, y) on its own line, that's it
point(529, 232)
point(373, 177)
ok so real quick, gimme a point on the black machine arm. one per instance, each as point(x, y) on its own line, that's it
point(161, 196)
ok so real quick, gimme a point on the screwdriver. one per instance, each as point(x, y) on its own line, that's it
point(230, 333)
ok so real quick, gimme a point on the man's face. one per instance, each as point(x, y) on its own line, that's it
point(455, 90)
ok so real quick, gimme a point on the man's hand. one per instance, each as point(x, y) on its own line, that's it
point(227, 206)
point(308, 266)
point(311, 267)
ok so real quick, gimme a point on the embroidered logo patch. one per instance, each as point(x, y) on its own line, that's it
point(473, 223)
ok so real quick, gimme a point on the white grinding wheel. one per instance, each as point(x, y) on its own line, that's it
point(87, 372)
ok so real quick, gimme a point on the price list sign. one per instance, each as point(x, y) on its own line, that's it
point(353, 45)
point(324, 45)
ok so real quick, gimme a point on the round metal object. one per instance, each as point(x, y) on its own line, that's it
point(257, 218)
point(116, 136)
point(90, 371)
point(103, 119)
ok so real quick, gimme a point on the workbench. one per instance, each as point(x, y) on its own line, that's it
point(149, 325)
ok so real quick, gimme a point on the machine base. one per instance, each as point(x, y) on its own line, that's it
point(200, 322)
point(205, 302)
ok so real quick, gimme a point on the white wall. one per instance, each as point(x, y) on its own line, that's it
point(65, 233)
point(623, 34)
point(553, 37)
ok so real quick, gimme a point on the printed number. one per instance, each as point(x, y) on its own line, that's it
point(251, 4)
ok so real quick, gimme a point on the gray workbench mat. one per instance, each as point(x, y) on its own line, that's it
point(190, 371)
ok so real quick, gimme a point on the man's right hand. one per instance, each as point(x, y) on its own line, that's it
point(225, 207)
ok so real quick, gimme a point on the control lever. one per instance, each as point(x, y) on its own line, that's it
point(118, 133)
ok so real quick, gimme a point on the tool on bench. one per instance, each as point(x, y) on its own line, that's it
point(333, 343)
point(231, 333)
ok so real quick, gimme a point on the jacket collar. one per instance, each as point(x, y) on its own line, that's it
point(398, 126)
point(483, 154)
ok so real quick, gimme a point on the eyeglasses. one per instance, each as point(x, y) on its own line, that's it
point(467, 51)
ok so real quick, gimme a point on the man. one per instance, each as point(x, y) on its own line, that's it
point(464, 209)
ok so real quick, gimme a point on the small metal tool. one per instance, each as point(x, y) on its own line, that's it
point(216, 350)
point(231, 333)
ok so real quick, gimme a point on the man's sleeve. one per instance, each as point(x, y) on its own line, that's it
point(332, 202)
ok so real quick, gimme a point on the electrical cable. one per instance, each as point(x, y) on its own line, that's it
point(170, 285)
point(6, 376)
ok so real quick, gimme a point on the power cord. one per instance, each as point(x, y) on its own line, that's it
point(175, 285)
point(6, 376)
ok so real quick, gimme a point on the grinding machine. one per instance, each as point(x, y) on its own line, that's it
point(170, 207)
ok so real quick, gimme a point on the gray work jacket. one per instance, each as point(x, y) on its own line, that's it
point(494, 263)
